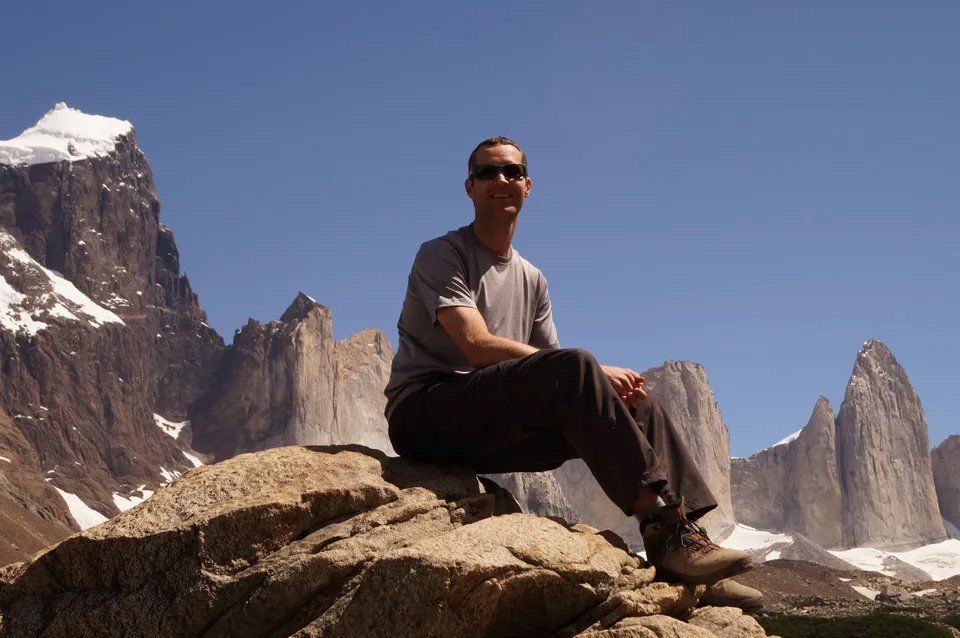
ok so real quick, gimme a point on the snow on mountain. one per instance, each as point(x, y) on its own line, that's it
point(940, 560)
point(124, 503)
point(43, 294)
point(792, 437)
point(84, 515)
point(747, 538)
point(64, 134)
point(169, 427)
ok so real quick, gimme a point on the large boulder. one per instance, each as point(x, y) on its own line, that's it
point(337, 541)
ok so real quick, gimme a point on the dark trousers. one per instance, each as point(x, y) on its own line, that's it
point(534, 413)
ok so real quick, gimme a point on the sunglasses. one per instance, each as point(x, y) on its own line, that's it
point(492, 171)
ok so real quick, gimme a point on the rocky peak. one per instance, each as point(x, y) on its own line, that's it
point(300, 308)
point(883, 456)
point(99, 331)
point(793, 485)
point(289, 382)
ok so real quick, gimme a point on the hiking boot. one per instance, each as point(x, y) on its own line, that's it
point(682, 552)
point(730, 593)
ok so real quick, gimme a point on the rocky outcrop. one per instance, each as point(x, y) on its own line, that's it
point(340, 542)
point(683, 390)
point(945, 461)
point(98, 329)
point(883, 453)
point(288, 382)
point(794, 485)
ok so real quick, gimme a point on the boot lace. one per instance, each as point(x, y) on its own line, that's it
point(691, 537)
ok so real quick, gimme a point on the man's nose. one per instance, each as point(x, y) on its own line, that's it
point(501, 177)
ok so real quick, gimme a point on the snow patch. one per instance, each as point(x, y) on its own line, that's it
point(63, 299)
point(3, 458)
point(747, 538)
point(124, 503)
point(169, 427)
point(788, 439)
point(866, 592)
point(84, 515)
point(774, 555)
point(168, 476)
point(64, 134)
point(190, 457)
point(940, 560)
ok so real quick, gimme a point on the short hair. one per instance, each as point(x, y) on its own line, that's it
point(496, 140)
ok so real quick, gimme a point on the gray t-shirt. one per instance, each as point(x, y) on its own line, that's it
point(458, 270)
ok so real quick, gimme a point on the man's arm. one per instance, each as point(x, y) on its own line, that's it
point(469, 332)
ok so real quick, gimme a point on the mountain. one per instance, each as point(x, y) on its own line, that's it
point(883, 452)
point(99, 331)
point(794, 484)
point(289, 382)
point(861, 479)
point(945, 459)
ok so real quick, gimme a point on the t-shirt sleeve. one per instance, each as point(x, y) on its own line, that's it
point(439, 278)
point(544, 333)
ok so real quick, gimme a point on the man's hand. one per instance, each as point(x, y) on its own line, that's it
point(627, 383)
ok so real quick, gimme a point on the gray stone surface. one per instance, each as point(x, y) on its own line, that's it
point(945, 459)
point(289, 382)
point(883, 452)
point(794, 486)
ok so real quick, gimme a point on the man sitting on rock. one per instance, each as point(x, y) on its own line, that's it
point(479, 379)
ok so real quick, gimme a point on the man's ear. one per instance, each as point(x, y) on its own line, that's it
point(529, 187)
point(468, 185)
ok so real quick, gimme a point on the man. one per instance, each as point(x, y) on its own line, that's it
point(479, 379)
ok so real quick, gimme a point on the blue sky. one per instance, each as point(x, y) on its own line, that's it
point(756, 186)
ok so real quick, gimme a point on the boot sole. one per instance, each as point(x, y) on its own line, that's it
point(734, 569)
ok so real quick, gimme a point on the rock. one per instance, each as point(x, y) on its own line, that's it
point(892, 594)
point(727, 622)
point(945, 459)
point(288, 382)
point(889, 499)
point(339, 541)
point(650, 627)
point(682, 388)
point(800, 548)
point(794, 485)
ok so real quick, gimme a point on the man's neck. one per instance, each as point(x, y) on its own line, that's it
point(495, 236)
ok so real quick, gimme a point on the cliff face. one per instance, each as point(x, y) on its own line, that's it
point(945, 460)
point(98, 330)
point(288, 382)
point(794, 485)
point(683, 390)
point(883, 453)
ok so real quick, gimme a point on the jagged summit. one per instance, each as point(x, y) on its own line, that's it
point(300, 308)
point(64, 134)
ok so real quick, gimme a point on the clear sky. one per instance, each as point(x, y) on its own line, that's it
point(756, 186)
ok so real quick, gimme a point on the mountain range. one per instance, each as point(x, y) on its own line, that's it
point(113, 384)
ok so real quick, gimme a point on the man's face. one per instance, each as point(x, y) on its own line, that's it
point(498, 197)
